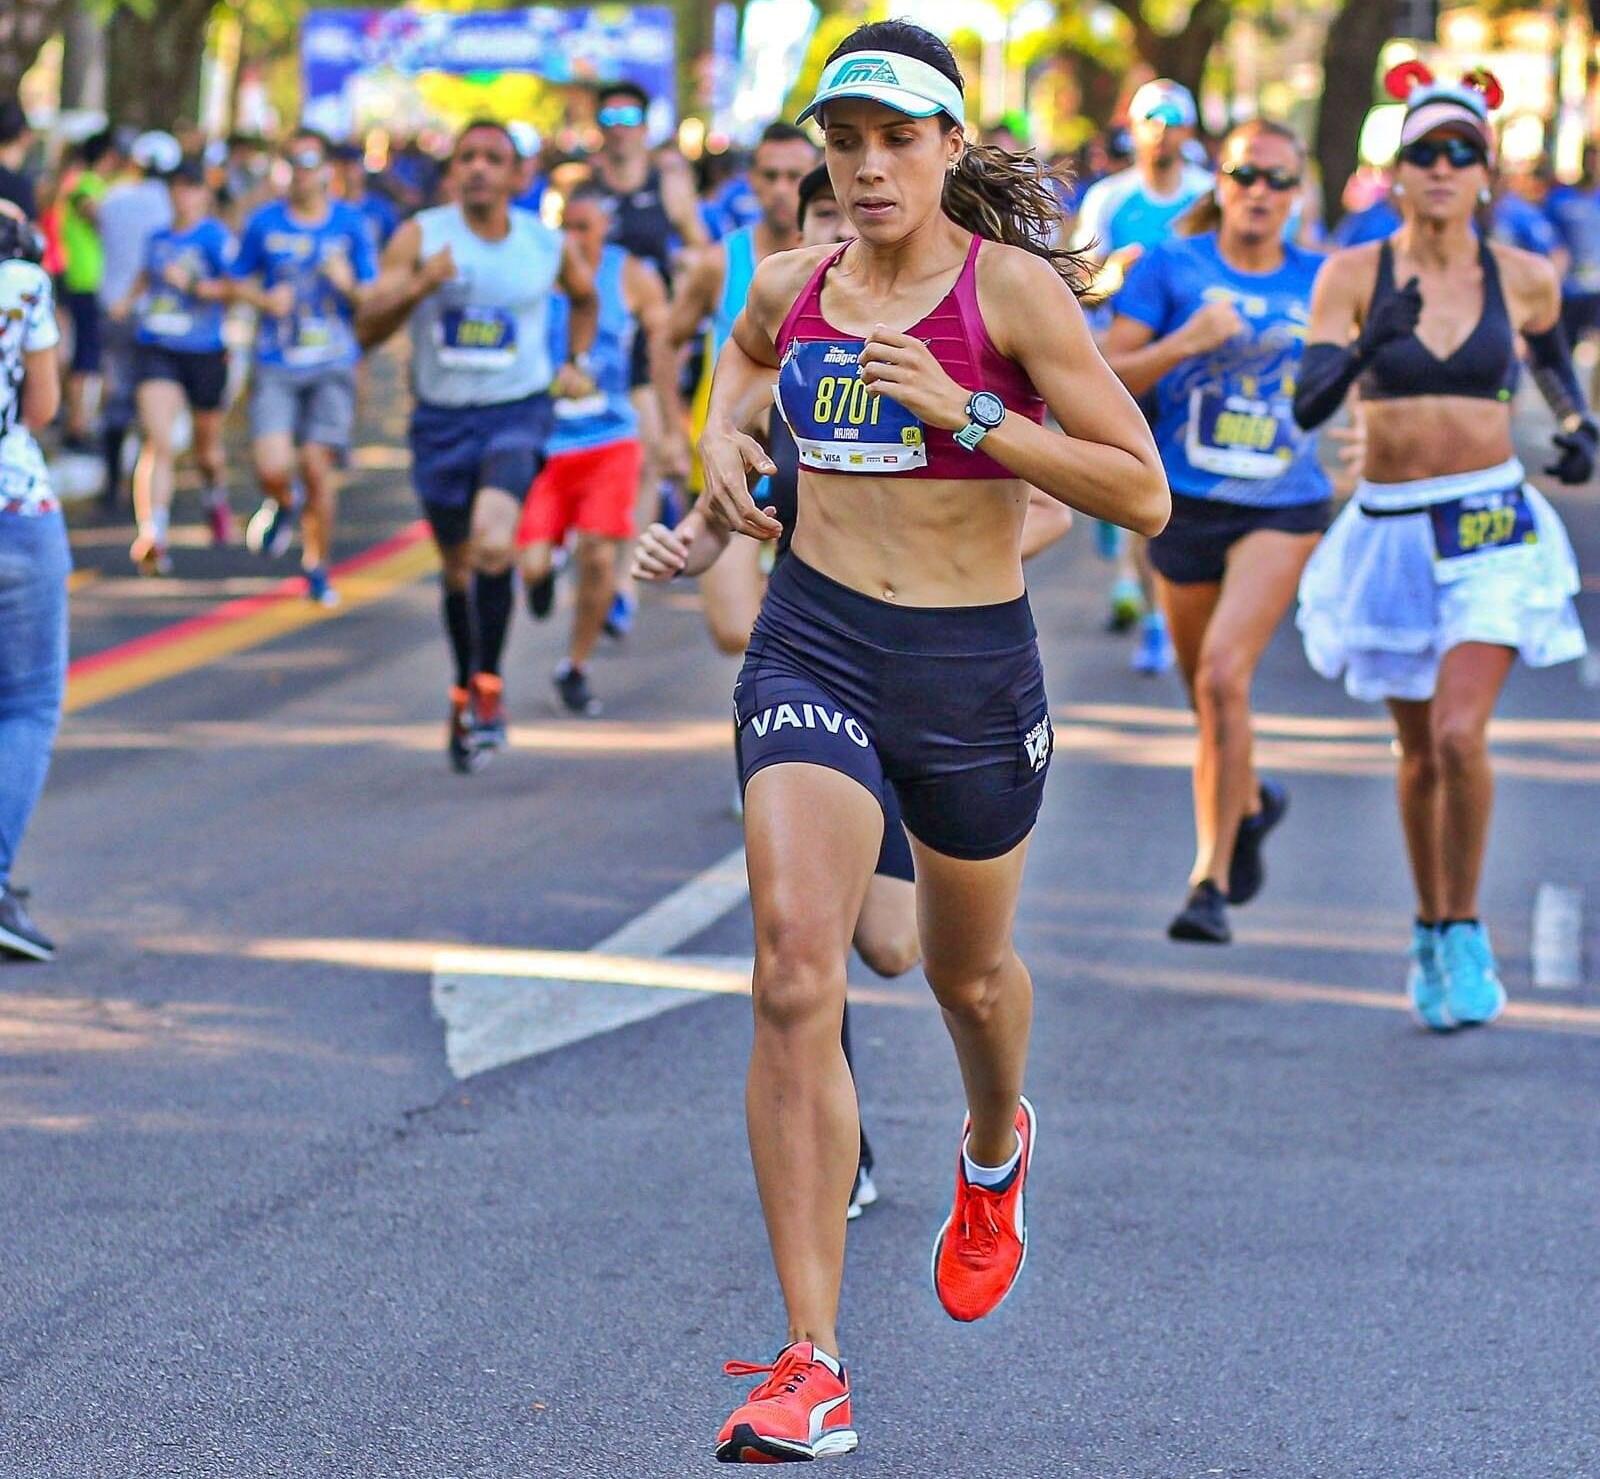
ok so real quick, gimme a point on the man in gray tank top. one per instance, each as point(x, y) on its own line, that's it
point(474, 280)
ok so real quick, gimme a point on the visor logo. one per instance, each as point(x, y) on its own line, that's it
point(867, 69)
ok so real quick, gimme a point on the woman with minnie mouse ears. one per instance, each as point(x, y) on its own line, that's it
point(1446, 565)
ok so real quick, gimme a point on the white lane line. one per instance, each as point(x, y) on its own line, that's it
point(500, 1006)
point(1558, 937)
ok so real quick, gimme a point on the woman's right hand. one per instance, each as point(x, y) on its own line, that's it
point(660, 554)
point(728, 458)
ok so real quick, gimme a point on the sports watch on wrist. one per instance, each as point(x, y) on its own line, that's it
point(985, 411)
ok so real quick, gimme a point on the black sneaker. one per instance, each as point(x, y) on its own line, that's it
point(19, 935)
point(572, 687)
point(1204, 918)
point(542, 595)
point(1247, 872)
point(465, 757)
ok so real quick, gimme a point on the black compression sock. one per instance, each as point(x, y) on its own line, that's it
point(492, 597)
point(1445, 924)
point(458, 626)
point(1427, 924)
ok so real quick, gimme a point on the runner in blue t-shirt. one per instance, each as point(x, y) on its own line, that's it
point(304, 264)
point(1121, 217)
point(177, 303)
point(1213, 327)
point(379, 213)
point(1574, 212)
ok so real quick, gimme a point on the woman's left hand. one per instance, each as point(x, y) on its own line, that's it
point(904, 369)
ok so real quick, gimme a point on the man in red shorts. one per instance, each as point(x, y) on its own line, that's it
point(588, 484)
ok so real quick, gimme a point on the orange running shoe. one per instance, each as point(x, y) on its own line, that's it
point(489, 720)
point(983, 1244)
point(801, 1411)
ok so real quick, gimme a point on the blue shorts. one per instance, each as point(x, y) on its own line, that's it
point(946, 705)
point(456, 450)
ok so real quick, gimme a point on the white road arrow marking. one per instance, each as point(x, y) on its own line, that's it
point(502, 1006)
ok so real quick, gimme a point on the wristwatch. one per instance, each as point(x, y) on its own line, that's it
point(985, 411)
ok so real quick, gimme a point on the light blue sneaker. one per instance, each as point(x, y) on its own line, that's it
point(1474, 994)
point(1154, 655)
point(1425, 982)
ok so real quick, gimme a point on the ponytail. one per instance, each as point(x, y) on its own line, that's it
point(1009, 198)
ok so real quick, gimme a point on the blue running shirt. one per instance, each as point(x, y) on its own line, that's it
point(176, 320)
point(1224, 423)
point(318, 333)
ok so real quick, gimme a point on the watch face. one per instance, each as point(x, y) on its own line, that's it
point(987, 409)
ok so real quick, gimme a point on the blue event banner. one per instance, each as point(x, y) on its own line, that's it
point(609, 42)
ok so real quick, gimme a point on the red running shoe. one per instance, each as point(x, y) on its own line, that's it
point(488, 714)
point(983, 1244)
point(801, 1411)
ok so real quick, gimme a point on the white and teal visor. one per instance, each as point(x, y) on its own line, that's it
point(900, 82)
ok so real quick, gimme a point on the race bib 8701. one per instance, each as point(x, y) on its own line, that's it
point(837, 423)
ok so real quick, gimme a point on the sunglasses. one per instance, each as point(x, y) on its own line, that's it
point(306, 159)
point(1461, 153)
point(629, 115)
point(1245, 175)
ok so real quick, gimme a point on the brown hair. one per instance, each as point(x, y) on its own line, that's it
point(1206, 213)
point(991, 192)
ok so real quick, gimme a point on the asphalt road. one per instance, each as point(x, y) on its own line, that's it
point(251, 1223)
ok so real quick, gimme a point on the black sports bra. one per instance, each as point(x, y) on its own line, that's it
point(1483, 367)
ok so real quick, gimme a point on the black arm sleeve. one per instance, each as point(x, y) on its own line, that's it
point(1326, 374)
point(1551, 361)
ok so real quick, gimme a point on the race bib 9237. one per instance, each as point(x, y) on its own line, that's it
point(1479, 527)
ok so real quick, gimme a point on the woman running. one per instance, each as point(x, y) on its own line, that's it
point(1446, 564)
point(895, 647)
point(179, 300)
point(1214, 325)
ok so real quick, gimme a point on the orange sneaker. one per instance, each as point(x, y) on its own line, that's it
point(801, 1411)
point(489, 720)
point(983, 1244)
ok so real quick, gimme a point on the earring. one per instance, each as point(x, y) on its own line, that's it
point(1397, 189)
point(954, 165)
point(1485, 196)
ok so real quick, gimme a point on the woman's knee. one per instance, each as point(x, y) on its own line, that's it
point(889, 952)
point(1222, 681)
point(799, 976)
point(972, 990)
point(1460, 742)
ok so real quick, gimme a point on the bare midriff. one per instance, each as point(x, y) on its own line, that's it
point(1434, 436)
point(915, 541)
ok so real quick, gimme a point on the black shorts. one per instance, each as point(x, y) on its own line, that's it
point(203, 374)
point(944, 704)
point(456, 450)
point(85, 312)
point(1193, 548)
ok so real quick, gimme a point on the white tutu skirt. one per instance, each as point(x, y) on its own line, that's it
point(1374, 610)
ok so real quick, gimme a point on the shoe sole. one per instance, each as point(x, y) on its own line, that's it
point(745, 1441)
point(1189, 934)
point(1266, 831)
point(1499, 1006)
point(938, 1242)
point(16, 944)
